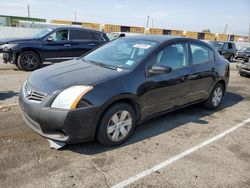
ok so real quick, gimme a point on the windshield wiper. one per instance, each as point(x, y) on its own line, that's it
point(103, 65)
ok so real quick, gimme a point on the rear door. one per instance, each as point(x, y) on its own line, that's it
point(83, 41)
point(204, 74)
point(80, 41)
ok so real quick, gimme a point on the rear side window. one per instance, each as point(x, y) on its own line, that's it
point(231, 46)
point(96, 36)
point(200, 54)
point(79, 35)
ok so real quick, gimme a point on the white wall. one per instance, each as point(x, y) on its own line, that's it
point(9, 32)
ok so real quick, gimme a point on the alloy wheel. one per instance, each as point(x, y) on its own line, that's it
point(29, 61)
point(119, 126)
point(217, 96)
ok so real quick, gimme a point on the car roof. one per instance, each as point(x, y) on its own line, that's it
point(79, 28)
point(157, 38)
point(160, 39)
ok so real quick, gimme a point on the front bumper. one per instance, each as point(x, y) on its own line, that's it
point(244, 71)
point(67, 126)
point(9, 57)
point(241, 56)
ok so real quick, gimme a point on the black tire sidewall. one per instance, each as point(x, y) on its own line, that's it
point(102, 136)
point(19, 63)
point(209, 102)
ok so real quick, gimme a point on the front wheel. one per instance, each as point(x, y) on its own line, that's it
point(116, 125)
point(28, 61)
point(215, 97)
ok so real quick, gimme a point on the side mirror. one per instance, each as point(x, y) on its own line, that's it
point(50, 38)
point(158, 69)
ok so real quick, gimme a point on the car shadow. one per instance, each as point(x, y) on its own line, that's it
point(159, 125)
point(7, 94)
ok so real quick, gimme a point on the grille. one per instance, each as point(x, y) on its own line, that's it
point(33, 95)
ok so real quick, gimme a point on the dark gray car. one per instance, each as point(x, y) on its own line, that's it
point(226, 49)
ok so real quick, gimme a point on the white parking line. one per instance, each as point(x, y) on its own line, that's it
point(177, 157)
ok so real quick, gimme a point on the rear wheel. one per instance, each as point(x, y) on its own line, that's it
point(231, 58)
point(116, 125)
point(215, 97)
point(28, 61)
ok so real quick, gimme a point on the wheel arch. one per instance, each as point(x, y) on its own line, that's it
point(121, 99)
point(29, 50)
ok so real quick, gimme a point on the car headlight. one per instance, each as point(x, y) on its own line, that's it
point(69, 98)
point(7, 46)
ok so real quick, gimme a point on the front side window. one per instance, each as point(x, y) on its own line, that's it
point(174, 56)
point(79, 35)
point(200, 54)
point(60, 35)
point(123, 53)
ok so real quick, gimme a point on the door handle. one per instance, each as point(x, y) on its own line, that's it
point(67, 45)
point(190, 77)
point(91, 44)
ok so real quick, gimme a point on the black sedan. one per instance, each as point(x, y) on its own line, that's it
point(50, 45)
point(106, 93)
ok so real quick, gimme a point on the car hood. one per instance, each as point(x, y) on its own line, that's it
point(15, 40)
point(63, 75)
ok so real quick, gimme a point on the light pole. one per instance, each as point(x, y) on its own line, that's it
point(147, 21)
point(28, 11)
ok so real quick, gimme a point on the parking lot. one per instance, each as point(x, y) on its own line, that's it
point(180, 149)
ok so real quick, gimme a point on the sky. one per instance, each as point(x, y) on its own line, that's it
point(187, 15)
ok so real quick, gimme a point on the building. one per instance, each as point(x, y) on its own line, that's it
point(13, 21)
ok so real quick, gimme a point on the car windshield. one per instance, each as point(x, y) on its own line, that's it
point(42, 33)
point(122, 53)
point(216, 45)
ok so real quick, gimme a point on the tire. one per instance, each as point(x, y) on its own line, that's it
point(215, 97)
point(231, 58)
point(28, 61)
point(20, 68)
point(111, 133)
point(246, 59)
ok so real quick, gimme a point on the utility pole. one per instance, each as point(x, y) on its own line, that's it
point(249, 34)
point(147, 21)
point(28, 11)
point(75, 16)
point(152, 23)
point(225, 29)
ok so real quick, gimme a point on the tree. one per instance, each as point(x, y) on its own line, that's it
point(206, 31)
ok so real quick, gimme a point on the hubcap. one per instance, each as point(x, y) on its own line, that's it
point(217, 96)
point(29, 61)
point(119, 125)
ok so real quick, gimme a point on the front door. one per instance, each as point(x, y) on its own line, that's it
point(57, 47)
point(169, 90)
